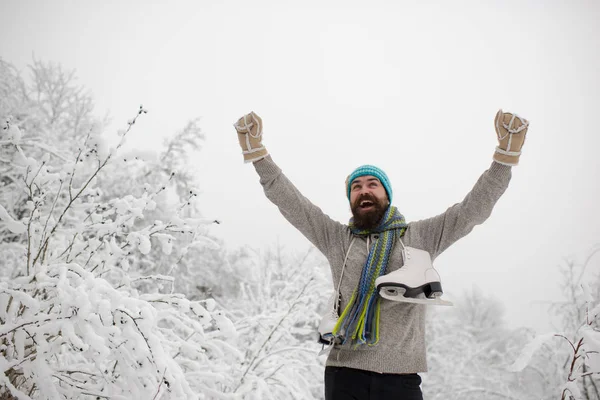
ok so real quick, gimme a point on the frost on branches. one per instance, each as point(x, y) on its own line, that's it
point(577, 346)
point(75, 323)
point(278, 306)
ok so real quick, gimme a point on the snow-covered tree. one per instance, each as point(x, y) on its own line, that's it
point(74, 322)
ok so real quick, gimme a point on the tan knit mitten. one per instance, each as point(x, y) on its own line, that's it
point(511, 130)
point(249, 130)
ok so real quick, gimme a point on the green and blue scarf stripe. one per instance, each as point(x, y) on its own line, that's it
point(359, 322)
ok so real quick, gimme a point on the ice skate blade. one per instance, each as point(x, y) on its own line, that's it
point(325, 350)
point(401, 299)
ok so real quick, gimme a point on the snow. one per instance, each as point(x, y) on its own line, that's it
point(99, 145)
point(166, 242)
point(140, 241)
point(11, 224)
point(591, 344)
point(13, 134)
point(529, 350)
point(573, 392)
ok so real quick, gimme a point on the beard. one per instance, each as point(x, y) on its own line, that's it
point(370, 218)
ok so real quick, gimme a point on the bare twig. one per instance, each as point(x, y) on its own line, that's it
point(160, 384)
point(83, 188)
point(140, 331)
point(52, 209)
point(271, 333)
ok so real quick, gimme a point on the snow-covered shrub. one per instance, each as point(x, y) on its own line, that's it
point(469, 347)
point(75, 322)
point(277, 308)
point(569, 360)
point(192, 262)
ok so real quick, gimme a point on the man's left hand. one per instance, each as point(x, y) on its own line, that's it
point(511, 130)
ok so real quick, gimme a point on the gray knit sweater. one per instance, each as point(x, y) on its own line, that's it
point(401, 347)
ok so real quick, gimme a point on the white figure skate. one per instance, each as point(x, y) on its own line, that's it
point(415, 282)
point(329, 320)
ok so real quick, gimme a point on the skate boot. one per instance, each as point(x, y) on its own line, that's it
point(329, 319)
point(327, 324)
point(415, 282)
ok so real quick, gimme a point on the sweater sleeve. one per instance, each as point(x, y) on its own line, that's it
point(436, 234)
point(313, 223)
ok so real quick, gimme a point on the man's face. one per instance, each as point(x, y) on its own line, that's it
point(368, 201)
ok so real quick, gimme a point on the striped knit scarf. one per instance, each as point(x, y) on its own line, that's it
point(359, 322)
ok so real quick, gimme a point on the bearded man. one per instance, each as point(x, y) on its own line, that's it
point(378, 345)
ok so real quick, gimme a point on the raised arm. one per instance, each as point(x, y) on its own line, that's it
point(436, 234)
point(313, 223)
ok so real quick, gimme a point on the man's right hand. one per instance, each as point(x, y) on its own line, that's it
point(249, 130)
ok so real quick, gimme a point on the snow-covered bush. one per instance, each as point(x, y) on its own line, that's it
point(276, 311)
point(75, 322)
point(469, 347)
point(569, 360)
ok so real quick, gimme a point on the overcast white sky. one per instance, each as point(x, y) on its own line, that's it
point(411, 86)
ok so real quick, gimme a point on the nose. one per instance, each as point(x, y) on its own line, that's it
point(364, 190)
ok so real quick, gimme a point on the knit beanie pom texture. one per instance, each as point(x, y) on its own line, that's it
point(372, 170)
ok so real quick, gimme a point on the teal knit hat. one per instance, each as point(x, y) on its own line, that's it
point(373, 171)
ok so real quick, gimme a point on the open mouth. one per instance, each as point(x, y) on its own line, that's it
point(366, 205)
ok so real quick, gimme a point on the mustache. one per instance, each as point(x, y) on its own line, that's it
point(366, 196)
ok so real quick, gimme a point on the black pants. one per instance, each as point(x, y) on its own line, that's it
point(355, 384)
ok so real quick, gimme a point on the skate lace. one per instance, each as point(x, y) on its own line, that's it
point(405, 253)
point(339, 285)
